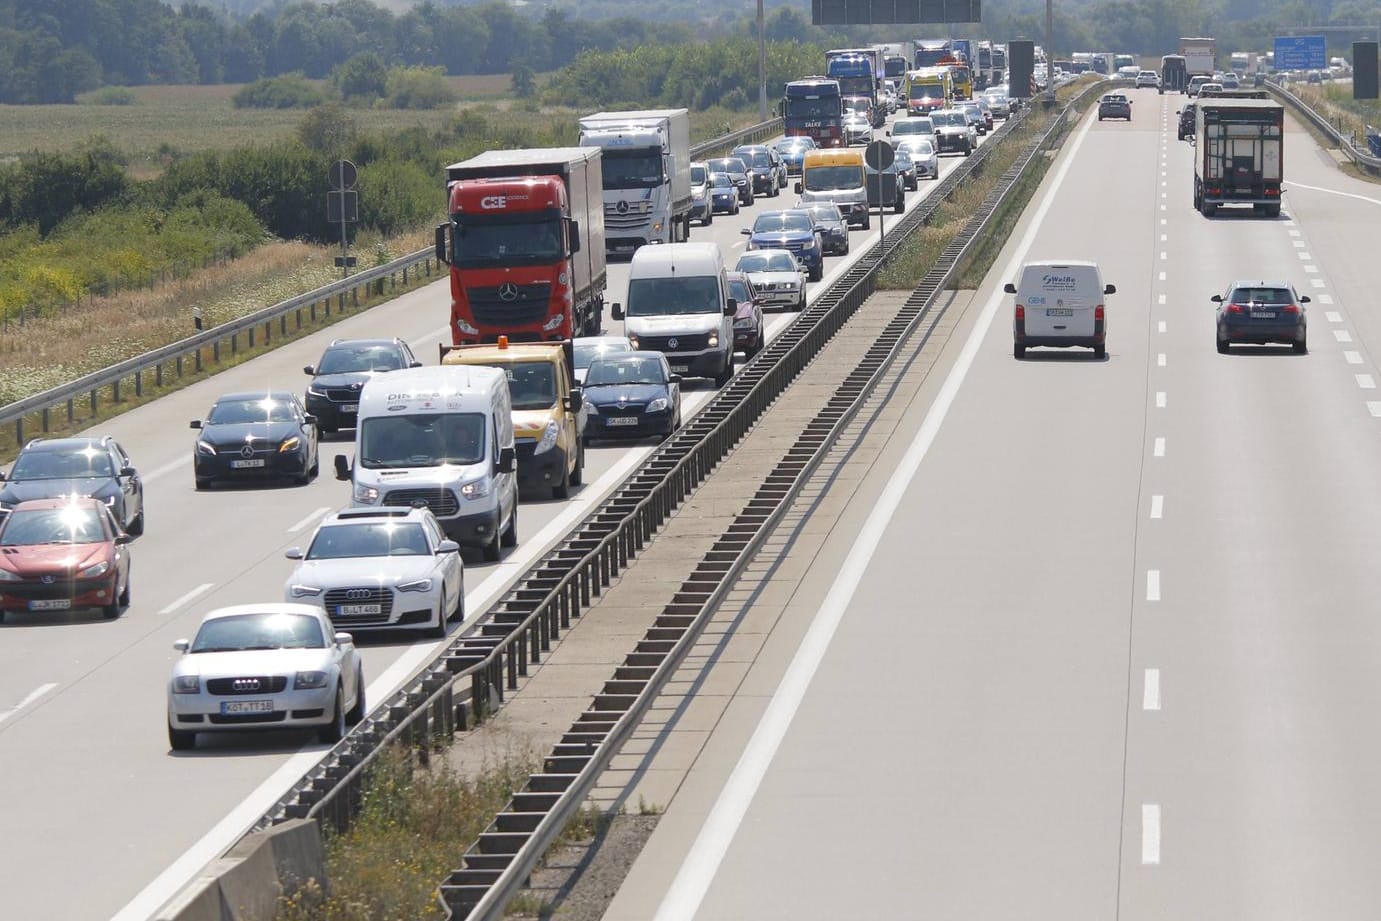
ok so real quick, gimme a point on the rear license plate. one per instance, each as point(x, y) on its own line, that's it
point(346, 610)
point(51, 604)
point(242, 464)
point(680, 369)
point(350, 407)
point(1059, 312)
point(1263, 315)
point(623, 420)
point(246, 706)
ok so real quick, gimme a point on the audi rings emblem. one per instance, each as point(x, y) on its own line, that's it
point(358, 594)
point(247, 451)
point(621, 207)
point(672, 343)
point(47, 580)
point(508, 291)
point(246, 684)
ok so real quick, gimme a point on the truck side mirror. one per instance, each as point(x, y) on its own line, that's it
point(798, 188)
point(1110, 289)
point(730, 307)
point(575, 236)
point(575, 401)
point(342, 467)
point(616, 311)
point(1010, 288)
point(507, 462)
point(1217, 299)
point(442, 239)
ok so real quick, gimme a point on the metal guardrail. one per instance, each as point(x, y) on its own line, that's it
point(1362, 158)
point(753, 134)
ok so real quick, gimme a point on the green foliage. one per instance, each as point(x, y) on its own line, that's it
point(327, 129)
point(281, 183)
point(111, 96)
point(418, 88)
point(397, 196)
point(524, 80)
point(290, 91)
point(45, 188)
point(363, 78)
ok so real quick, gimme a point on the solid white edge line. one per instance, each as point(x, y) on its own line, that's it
point(682, 899)
point(308, 519)
point(1153, 585)
point(30, 698)
point(184, 599)
point(1157, 506)
point(1150, 834)
point(1150, 694)
point(1315, 188)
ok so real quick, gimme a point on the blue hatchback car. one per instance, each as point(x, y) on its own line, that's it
point(790, 230)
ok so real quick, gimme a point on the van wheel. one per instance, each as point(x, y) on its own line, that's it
point(1100, 351)
point(722, 377)
point(578, 474)
point(509, 536)
point(867, 222)
point(562, 490)
point(1300, 347)
point(1223, 346)
point(1018, 350)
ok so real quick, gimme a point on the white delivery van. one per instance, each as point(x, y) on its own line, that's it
point(1059, 304)
point(440, 437)
point(679, 304)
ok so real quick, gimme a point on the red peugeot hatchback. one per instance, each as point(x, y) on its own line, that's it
point(61, 554)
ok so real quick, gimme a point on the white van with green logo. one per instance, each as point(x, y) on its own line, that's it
point(1059, 304)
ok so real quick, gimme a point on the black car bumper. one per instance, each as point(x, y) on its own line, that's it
point(234, 466)
point(612, 424)
point(332, 415)
point(1259, 333)
point(547, 469)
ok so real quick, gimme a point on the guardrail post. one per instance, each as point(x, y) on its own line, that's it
point(45, 421)
point(234, 343)
point(216, 351)
point(115, 392)
point(198, 361)
point(251, 337)
point(19, 432)
point(355, 296)
point(71, 410)
point(158, 374)
point(138, 383)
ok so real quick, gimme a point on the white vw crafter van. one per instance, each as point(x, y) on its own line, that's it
point(440, 437)
point(679, 304)
point(1059, 304)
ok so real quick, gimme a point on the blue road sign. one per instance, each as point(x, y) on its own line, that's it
point(1301, 52)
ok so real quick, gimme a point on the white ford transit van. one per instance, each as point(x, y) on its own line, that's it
point(679, 304)
point(1059, 304)
point(440, 437)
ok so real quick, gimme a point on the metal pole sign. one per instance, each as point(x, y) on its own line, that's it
point(343, 207)
point(879, 156)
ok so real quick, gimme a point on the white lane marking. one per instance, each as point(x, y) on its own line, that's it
point(1374, 407)
point(1317, 283)
point(1162, 194)
point(159, 472)
point(1164, 255)
point(309, 518)
point(1161, 299)
point(1304, 255)
point(201, 589)
point(1294, 233)
point(1163, 208)
point(1325, 299)
point(1160, 399)
point(1163, 222)
point(1162, 276)
point(1342, 335)
point(1298, 244)
point(697, 872)
point(1333, 316)
point(33, 696)
point(1158, 449)
point(1352, 357)
point(1150, 834)
point(1157, 507)
point(1163, 184)
point(1311, 269)
point(1164, 237)
point(1153, 585)
point(1366, 381)
point(1161, 326)
point(1160, 359)
point(1150, 690)
point(1315, 188)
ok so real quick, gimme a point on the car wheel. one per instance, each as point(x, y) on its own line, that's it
point(1018, 350)
point(816, 273)
point(181, 740)
point(357, 712)
point(491, 551)
point(437, 631)
point(136, 526)
point(736, 206)
point(709, 219)
point(1223, 346)
point(1300, 347)
point(509, 537)
point(867, 222)
point(562, 490)
point(723, 376)
point(899, 207)
point(457, 612)
point(801, 304)
point(123, 600)
point(1100, 351)
point(112, 610)
point(334, 731)
point(578, 475)
point(316, 465)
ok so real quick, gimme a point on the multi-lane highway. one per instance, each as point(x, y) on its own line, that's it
point(1095, 639)
point(100, 819)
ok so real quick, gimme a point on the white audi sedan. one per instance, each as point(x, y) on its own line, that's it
point(265, 666)
point(379, 569)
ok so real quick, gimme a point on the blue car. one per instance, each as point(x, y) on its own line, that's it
point(790, 230)
point(793, 152)
point(723, 194)
point(631, 395)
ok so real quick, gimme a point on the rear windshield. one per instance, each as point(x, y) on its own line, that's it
point(1261, 296)
point(912, 126)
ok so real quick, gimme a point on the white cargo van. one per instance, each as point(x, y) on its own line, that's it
point(1059, 304)
point(440, 437)
point(679, 304)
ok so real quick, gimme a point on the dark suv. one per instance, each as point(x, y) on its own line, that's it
point(769, 170)
point(333, 396)
point(1260, 313)
point(1186, 129)
point(49, 468)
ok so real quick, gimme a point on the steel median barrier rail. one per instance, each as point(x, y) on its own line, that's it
point(753, 134)
point(1320, 121)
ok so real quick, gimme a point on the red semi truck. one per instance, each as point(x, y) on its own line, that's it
point(525, 243)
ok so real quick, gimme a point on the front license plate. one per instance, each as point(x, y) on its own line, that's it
point(346, 610)
point(350, 407)
point(680, 369)
point(246, 706)
point(1059, 312)
point(1263, 315)
point(242, 464)
point(51, 604)
point(624, 420)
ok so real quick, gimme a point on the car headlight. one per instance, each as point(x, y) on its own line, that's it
point(417, 585)
point(308, 680)
point(632, 340)
point(713, 340)
point(7, 576)
point(657, 405)
point(92, 572)
point(365, 493)
point(549, 436)
point(186, 684)
point(304, 591)
point(476, 489)
point(290, 444)
point(788, 285)
point(313, 392)
point(207, 448)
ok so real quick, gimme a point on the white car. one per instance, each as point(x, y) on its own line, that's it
point(265, 666)
point(1147, 78)
point(588, 348)
point(923, 155)
point(998, 102)
point(381, 568)
point(1059, 304)
point(776, 275)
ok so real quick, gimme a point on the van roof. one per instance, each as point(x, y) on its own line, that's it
point(1061, 264)
point(432, 380)
point(845, 157)
point(672, 257)
point(492, 354)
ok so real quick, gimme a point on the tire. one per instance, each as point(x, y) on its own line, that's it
point(899, 207)
point(1223, 346)
point(562, 490)
point(181, 740)
point(316, 465)
point(801, 304)
point(1100, 351)
point(817, 273)
point(136, 526)
point(457, 612)
point(112, 610)
point(578, 475)
point(1018, 351)
point(968, 151)
point(491, 551)
point(1273, 210)
point(508, 537)
point(1301, 347)
point(736, 206)
point(437, 631)
point(356, 713)
point(203, 483)
point(723, 376)
point(867, 222)
point(123, 600)
point(709, 219)
point(334, 731)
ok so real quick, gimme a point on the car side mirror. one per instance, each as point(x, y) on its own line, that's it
point(575, 401)
point(1110, 289)
point(616, 311)
point(196, 424)
point(309, 419)
point(342, 467)
point(1304, 298)
point(182, 645)
point(1010, 288)
point(1217, 299)
point(343, 639)
point(121, 540)
point(309, 370)
point(128, 471)
point(414, 364)
point(440, 245)
point(507, 462)
point(447, 546)
point(731, 307)
point(2, 476)
point(746, 231)
point(293, 553)
point(798, 188)
point(675, 379)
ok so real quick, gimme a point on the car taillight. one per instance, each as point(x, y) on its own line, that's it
point(1098, 312)
point(1236, 308)
point(1290, 308)
point(1021, 312)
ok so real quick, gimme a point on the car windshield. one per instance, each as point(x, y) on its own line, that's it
point(833, 178)
point(60, 465)
point(698, 174)
point(795, 145)
point(660, 297)
point(728, 165)
point(776, 223)
point(903, 158)
point(584, 354)
point(823, 213)
point(917, 148)
point(69, 525)
point(484, 240)
point(625, 370)
point(738, 290)
point(344, 359)
point(766, 262)
point(949, 118)
point(372, 538)
point(267, 630)
point(721, 181)
point(1261, 296)
point(913, 126)
point(1114, 99)
point(236, 412)
point(423, 440)
point(759, 158)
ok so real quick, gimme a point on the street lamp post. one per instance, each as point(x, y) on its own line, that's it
point(762, 67)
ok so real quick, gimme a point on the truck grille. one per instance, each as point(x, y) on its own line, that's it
point(441, 501)
point(695, 342)
point(526, 304)
point(250, 684)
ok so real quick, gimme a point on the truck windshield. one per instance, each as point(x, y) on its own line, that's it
point(663, 297)
point(827, 107)
point(632, 169)
point(831, 178)
point(485, 240)
point(849, 86)
point(423, 440)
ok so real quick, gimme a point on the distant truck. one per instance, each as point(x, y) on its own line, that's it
point(1174, 77)
point(646, 172)
point(1239, 154)
point(1200, 55)
point(525, 242)
point(813, 107)
point(897, 59)
point(857, 73)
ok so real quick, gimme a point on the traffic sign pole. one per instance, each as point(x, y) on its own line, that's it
point(879, 156)
point(343, 175)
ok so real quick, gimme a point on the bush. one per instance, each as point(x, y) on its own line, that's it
point(290, 91)
point(111, 96)
point(283, 184)
point(45, 188)
point(327, 129)
point(419, 88)
point(362, 78)
point(396, 197)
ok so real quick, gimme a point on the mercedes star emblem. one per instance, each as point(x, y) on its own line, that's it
point(247, 451)
point(621, 207)
point(508, 291)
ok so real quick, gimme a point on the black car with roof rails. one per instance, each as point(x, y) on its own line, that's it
point(768, 169)
point(333, 396)
point(1186, 126)
point(1258, 312)
point(49, 468)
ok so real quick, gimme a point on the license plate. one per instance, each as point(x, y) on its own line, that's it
point(346, 610)
point(350, 407)
point(623, 420)
point(51, 604)
point(242, 464)
point(1059, 312)
point(680, 369)
point(1263, 315)
point(246, 706)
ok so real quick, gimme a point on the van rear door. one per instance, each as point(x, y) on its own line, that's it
point(1060, 300)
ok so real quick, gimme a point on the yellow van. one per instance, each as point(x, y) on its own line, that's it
point(963, 81)
point(836, 176)
point(928, 89)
